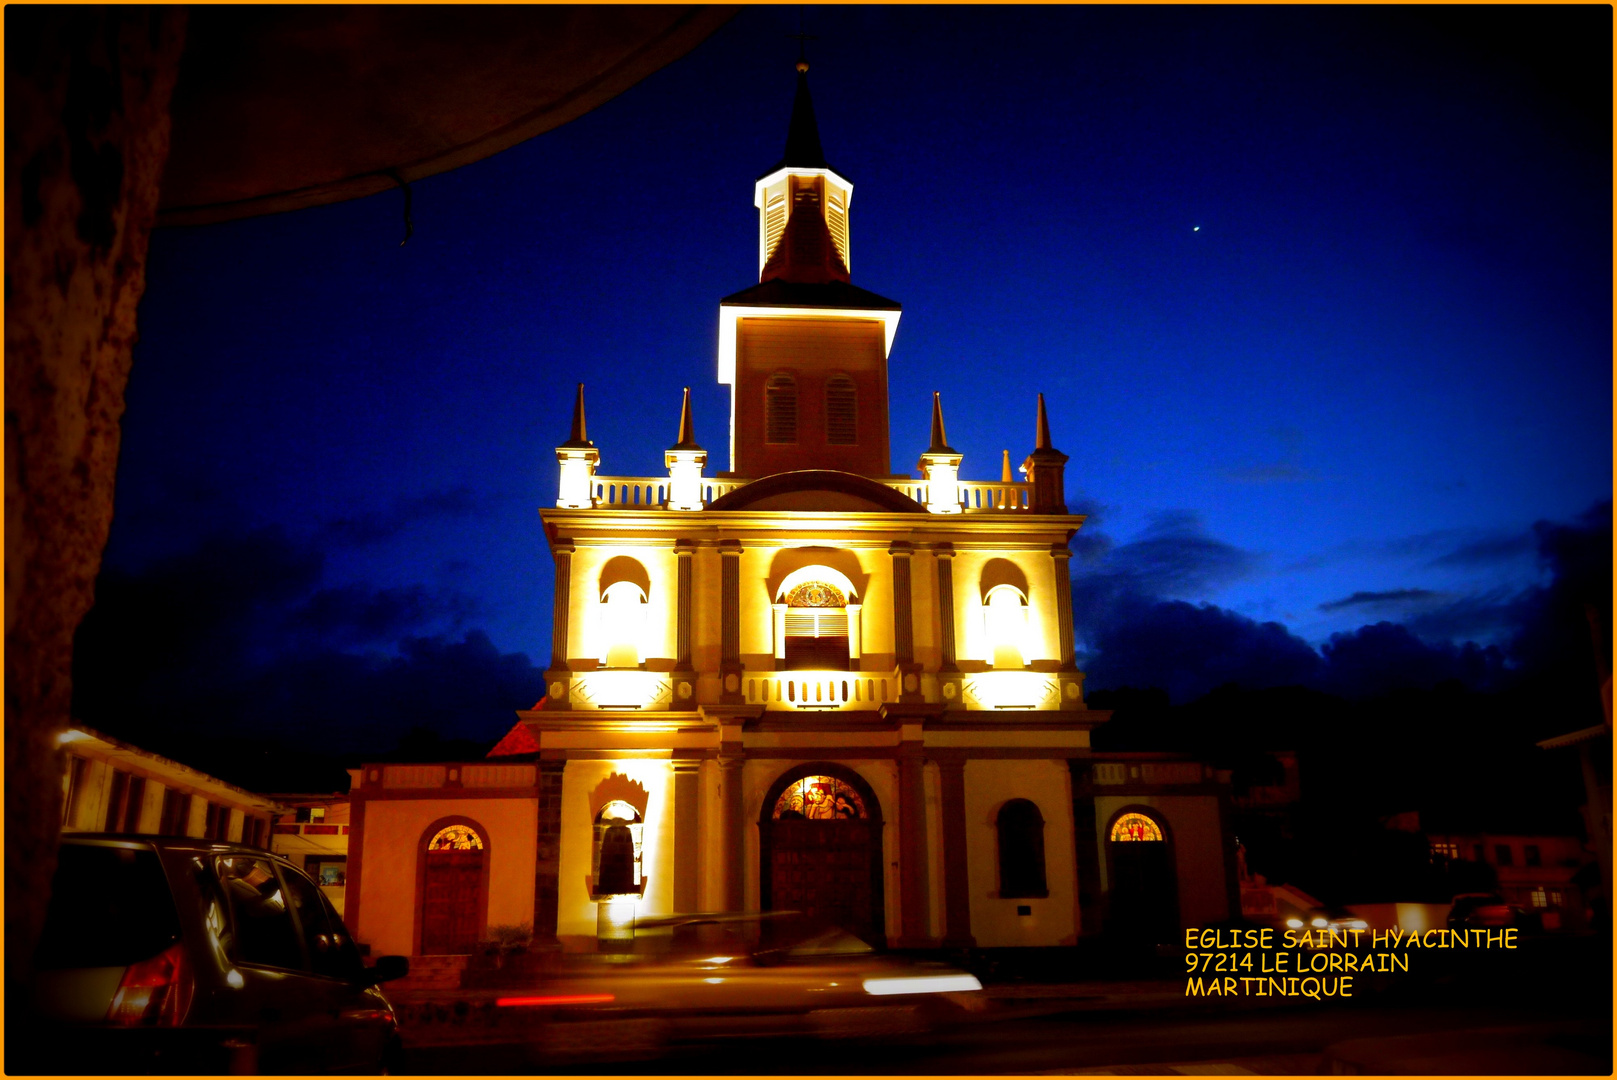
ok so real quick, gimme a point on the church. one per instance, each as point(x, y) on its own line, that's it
point(800, 681)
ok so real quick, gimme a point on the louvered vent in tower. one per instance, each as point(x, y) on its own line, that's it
point(841, 411)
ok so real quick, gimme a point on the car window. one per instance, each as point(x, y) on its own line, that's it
point(260, 915)
point(109, 907)
point(322, 934)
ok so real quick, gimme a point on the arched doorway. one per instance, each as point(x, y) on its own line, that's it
point(820, 842)
point(453, 887)
point(1144, 896)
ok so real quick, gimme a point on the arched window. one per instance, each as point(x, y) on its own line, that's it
point(780, 409)
point(819, 798)
point(1021, 850)
point(623, 619)
point(841, 411)
point(618, 835)
point(816, 628)
point(1132, 827)
point(1005, 619)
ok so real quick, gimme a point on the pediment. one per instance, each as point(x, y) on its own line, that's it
point(818, 490)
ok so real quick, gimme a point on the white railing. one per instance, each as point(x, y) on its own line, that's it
point(819, 690)
point(976, 495)
point(651, 492)
point(648, 492)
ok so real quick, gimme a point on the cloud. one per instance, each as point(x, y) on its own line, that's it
point(1389, 598)
point(1386, 657)
point(1488, 550)
point(1174, 556)
point(242, 636)
point(1281, 472)
point(374, 526)
point(1135, 627)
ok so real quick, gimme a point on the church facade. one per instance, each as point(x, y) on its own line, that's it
point(800, 682)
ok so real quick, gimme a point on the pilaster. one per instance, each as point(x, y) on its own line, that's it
point(730, 622)
point(909, 672)
point(557, 677)
point(956, 876)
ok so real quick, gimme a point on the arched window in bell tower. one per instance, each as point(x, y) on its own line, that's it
point(780, 409)
point(841, 411)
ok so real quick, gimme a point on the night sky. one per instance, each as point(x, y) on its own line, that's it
point(1319, 299)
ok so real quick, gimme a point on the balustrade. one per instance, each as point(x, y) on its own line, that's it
point(651, 492)
point(819, 690)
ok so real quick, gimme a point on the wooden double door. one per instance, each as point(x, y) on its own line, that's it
point(452, 902)
point(825, 870)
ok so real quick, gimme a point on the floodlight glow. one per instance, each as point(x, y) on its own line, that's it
point(922, 984)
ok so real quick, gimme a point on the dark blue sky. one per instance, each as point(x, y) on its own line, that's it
point(1319, 298)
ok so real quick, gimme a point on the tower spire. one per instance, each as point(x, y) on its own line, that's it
point(1041, 437)
point(940, 443)
point(803, 150)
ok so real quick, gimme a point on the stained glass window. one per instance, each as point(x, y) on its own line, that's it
point(1136, 827)
point(820, 798)
point(816, 594)
point(456, 838)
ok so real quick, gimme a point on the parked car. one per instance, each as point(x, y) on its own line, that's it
point(173, 954)
point(694, 978)
point(1490, 911)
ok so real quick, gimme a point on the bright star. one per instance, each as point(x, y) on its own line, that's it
point(1195, 228)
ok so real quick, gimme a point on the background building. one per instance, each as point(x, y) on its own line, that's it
point(112, 786)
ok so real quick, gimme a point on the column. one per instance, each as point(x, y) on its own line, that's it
point(914, 910)
point(687, 849)
point(909, 672)
point(855, 637)
point(730, 621)
point(547, 867)
point(779, 613)
point(956, 879)
point(733, 835)
point(556, 678)
point(1062, 555)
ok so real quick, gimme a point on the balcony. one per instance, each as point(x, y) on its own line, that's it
point(820, 691)
point(651, 493)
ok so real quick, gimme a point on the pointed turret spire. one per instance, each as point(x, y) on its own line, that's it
point(687, 427)
point(1006, 476)
point(685, 460)
point(577, 436)
point(578, 459)
point(1046, 470)
point(940, 443)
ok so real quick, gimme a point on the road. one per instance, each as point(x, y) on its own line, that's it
point(1056, 1038)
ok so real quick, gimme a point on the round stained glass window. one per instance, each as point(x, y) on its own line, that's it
point(456, 838)
point(1136, 827)
point(819, 798)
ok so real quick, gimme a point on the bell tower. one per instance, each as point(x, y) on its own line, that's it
point(805, 350)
